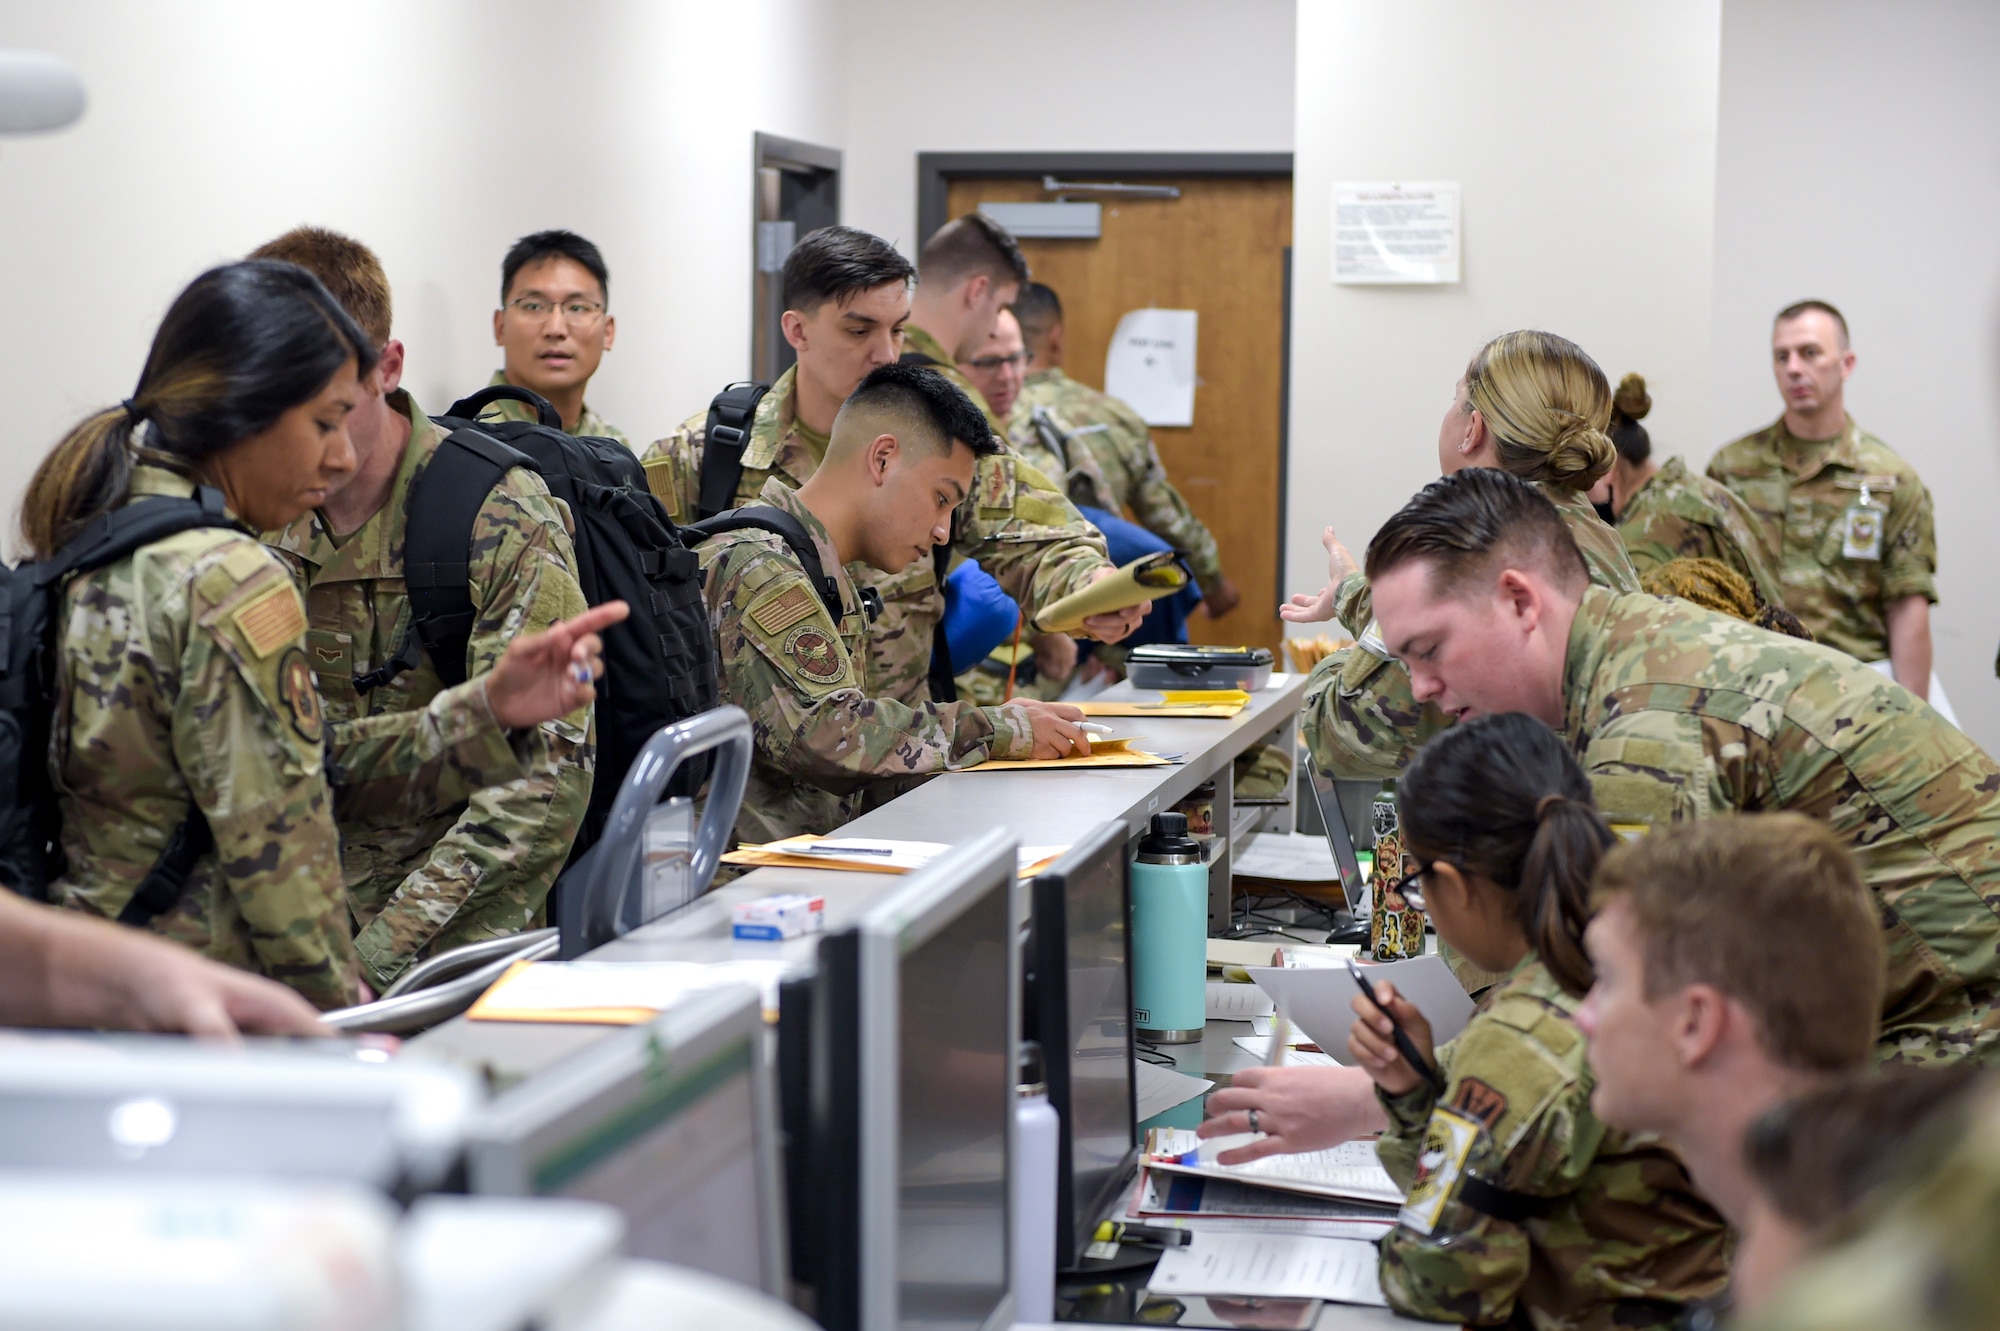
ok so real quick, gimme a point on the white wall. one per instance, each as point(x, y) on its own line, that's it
point(437, 131)
point(1859, 161)
point(1100, 76)
point(1584, 135)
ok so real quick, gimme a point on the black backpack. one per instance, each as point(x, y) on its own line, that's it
point(31, 855)
point(727, 434)
point(659, 665)
point(762, 517)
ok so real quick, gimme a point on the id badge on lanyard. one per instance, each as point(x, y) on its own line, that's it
point(1861, 528)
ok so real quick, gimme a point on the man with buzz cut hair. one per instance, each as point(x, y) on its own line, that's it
point(967, 272)
point(1738, 963)
point(1120, 444)
point(554, 325)
point(482, 869)
point(1846, 522)
point(1679, 714)
point(847, 298)
point(898, 462)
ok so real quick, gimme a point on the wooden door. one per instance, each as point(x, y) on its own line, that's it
point(1218, 249)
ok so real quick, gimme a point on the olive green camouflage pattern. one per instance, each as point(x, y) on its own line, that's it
point(1679, 515)
point(919, 342)
point(1014, 522)
point(1680, 713)
point(824, 739)
point(1050, 446)
point(484, 868)
point(1920, 1259)
point(1841, 569)
point(1618, 1237)
point(1360, 720)
point(182, 684)
point(1121, 443)
point(588, 422)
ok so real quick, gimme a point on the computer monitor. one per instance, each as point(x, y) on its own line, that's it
point(1078, 1006)
point(1353, 884)
point(916, 1031)
point(673, 1123)
point(149, 1105)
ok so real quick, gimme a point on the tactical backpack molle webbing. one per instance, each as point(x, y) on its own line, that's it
point(659, 665)
point(730, 416)
point(763, 517)
point(31, 855)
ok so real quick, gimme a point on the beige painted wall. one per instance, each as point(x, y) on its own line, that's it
point(1859, 161)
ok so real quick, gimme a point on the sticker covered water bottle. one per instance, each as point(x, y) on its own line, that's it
point(1395, 927)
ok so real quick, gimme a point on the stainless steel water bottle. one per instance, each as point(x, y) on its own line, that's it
point(1169, 934)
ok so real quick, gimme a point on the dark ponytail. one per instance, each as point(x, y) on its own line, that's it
point(244, 344)
point(1503, 797)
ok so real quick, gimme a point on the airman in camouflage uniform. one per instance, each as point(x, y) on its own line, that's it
point(1050, 445)
point(824, 734)
point(1846, 523)
point(589, 423)
point(1679, 515)
point(1015, 523)
point(480, 869)
point(1603, 1230)
point(1360, 719)
point(1679, 712)
point(1922, 1261)
point(183, 684)
point(1121, 446)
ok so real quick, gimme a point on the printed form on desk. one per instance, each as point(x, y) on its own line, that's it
point(1351, 1169)
point(1277, 1266)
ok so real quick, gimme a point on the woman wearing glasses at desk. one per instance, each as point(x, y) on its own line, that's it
point(1523, 1207)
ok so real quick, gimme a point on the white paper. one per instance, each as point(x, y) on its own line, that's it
point(880, 853)
point(1276, 1266)
point(557, 986)
point(1287, 857)
point(1161, 1089)
point(1151, 365)
point(1319, 1001)
point(1330, 956)
point(1351, 1169)
point(1388, 232)
point(1259, 1048)
point(1236, 1002)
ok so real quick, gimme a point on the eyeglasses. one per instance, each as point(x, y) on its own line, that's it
point(1408, 886)
point(576, 311)
point(988, 364)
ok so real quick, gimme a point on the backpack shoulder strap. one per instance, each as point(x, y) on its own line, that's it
point(437, 551)
point(726, 435)
point(762, 517)
point(468, 408)
point(112, 536)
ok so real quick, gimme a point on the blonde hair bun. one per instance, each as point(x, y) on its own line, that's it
point(1631, 401)
point(1580, 455)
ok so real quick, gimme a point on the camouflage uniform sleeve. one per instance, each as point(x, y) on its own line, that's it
point(1026, 534)
point(247, 735)
point(1909, 545)
point(673, 471)
point(424, 762)
point(1652, 766)
point(489, 874)
point(1511, 1116)
point(1354, 604)
point(1162, 510)
point(1361, 720)
point(785, 664)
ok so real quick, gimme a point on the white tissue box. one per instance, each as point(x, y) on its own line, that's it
point(768, 919)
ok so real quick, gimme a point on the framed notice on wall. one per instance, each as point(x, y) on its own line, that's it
point(1395, 231)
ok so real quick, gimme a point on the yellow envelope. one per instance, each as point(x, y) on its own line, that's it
point(1119, 758)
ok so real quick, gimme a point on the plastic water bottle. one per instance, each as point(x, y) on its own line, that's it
point(1169, 934)
point(1037, 1135)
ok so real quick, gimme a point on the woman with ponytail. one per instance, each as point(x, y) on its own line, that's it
point(186, 728)
point(1664, 512)
point(1523, 1208)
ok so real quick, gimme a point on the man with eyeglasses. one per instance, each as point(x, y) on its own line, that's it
point(554, 328)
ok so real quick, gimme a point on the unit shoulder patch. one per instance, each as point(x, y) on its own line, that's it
point(1479, 1101)
point(271, 618)
point(814, 655)
point(299, 696)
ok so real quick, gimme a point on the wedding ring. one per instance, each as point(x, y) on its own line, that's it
point(1253, 1121)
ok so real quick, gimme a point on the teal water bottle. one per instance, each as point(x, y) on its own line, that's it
point(1169, 934)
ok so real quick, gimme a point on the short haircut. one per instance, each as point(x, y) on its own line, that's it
point(837, 263)
point(1038, 308)
point(540, 245)
point(1798, 307)
point(348, 270)
point(1817, 1158)
point(1770, 909)
point(934, 409)
point(971, 246)
point(1466, 523)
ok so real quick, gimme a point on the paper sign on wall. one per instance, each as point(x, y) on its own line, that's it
point(1388, 232)
point(1151, 365)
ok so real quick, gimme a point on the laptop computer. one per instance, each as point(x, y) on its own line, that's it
point(1340, 840)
